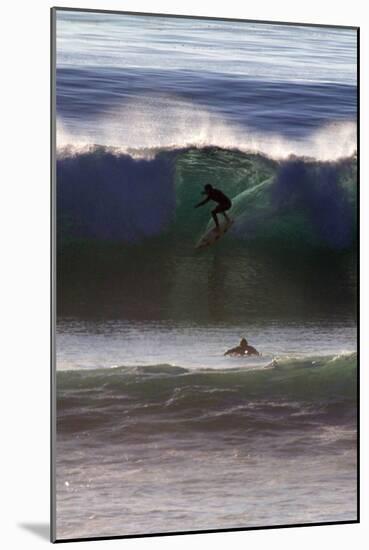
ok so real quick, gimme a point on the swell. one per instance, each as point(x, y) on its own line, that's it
point(106, 195)
point(289, 394)
point(274, 119)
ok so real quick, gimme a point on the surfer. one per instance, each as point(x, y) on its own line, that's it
point(224, 203)
point(243, 349)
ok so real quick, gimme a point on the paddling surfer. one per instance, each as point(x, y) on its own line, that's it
point(224, 203)
point(243, 349)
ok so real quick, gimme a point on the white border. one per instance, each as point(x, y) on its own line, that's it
point(25, 266)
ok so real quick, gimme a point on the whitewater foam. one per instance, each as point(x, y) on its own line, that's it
point(144, 126)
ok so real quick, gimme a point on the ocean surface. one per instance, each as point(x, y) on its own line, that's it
point(157, 431)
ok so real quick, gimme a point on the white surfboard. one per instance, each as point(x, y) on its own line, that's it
point(213, 235)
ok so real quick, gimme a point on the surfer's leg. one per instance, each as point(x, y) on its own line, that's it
point(221, 209)
point(226, 217)
point(215, 218)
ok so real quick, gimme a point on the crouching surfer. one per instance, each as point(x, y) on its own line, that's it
point(242, 349)
point(224, 203)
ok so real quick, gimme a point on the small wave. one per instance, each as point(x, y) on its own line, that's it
point(131, 403)
point(319, 385)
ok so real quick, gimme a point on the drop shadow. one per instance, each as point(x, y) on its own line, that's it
point(42, 530)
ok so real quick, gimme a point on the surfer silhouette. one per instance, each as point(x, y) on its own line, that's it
point(224, 203)
point(243, 349)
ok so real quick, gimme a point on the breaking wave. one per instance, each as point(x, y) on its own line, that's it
point(288, 394)
point(104, 194)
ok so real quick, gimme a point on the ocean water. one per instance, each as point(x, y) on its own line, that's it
point(157, 431)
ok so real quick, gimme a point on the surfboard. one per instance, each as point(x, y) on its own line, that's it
point(213, 235)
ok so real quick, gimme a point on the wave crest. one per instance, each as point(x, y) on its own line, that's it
point(167, 122)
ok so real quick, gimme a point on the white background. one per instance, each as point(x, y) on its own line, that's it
point(24, 300)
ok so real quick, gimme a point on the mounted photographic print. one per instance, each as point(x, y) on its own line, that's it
point(204, 372)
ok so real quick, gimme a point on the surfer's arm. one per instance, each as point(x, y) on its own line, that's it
point(202, 202)
point(231, 351)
